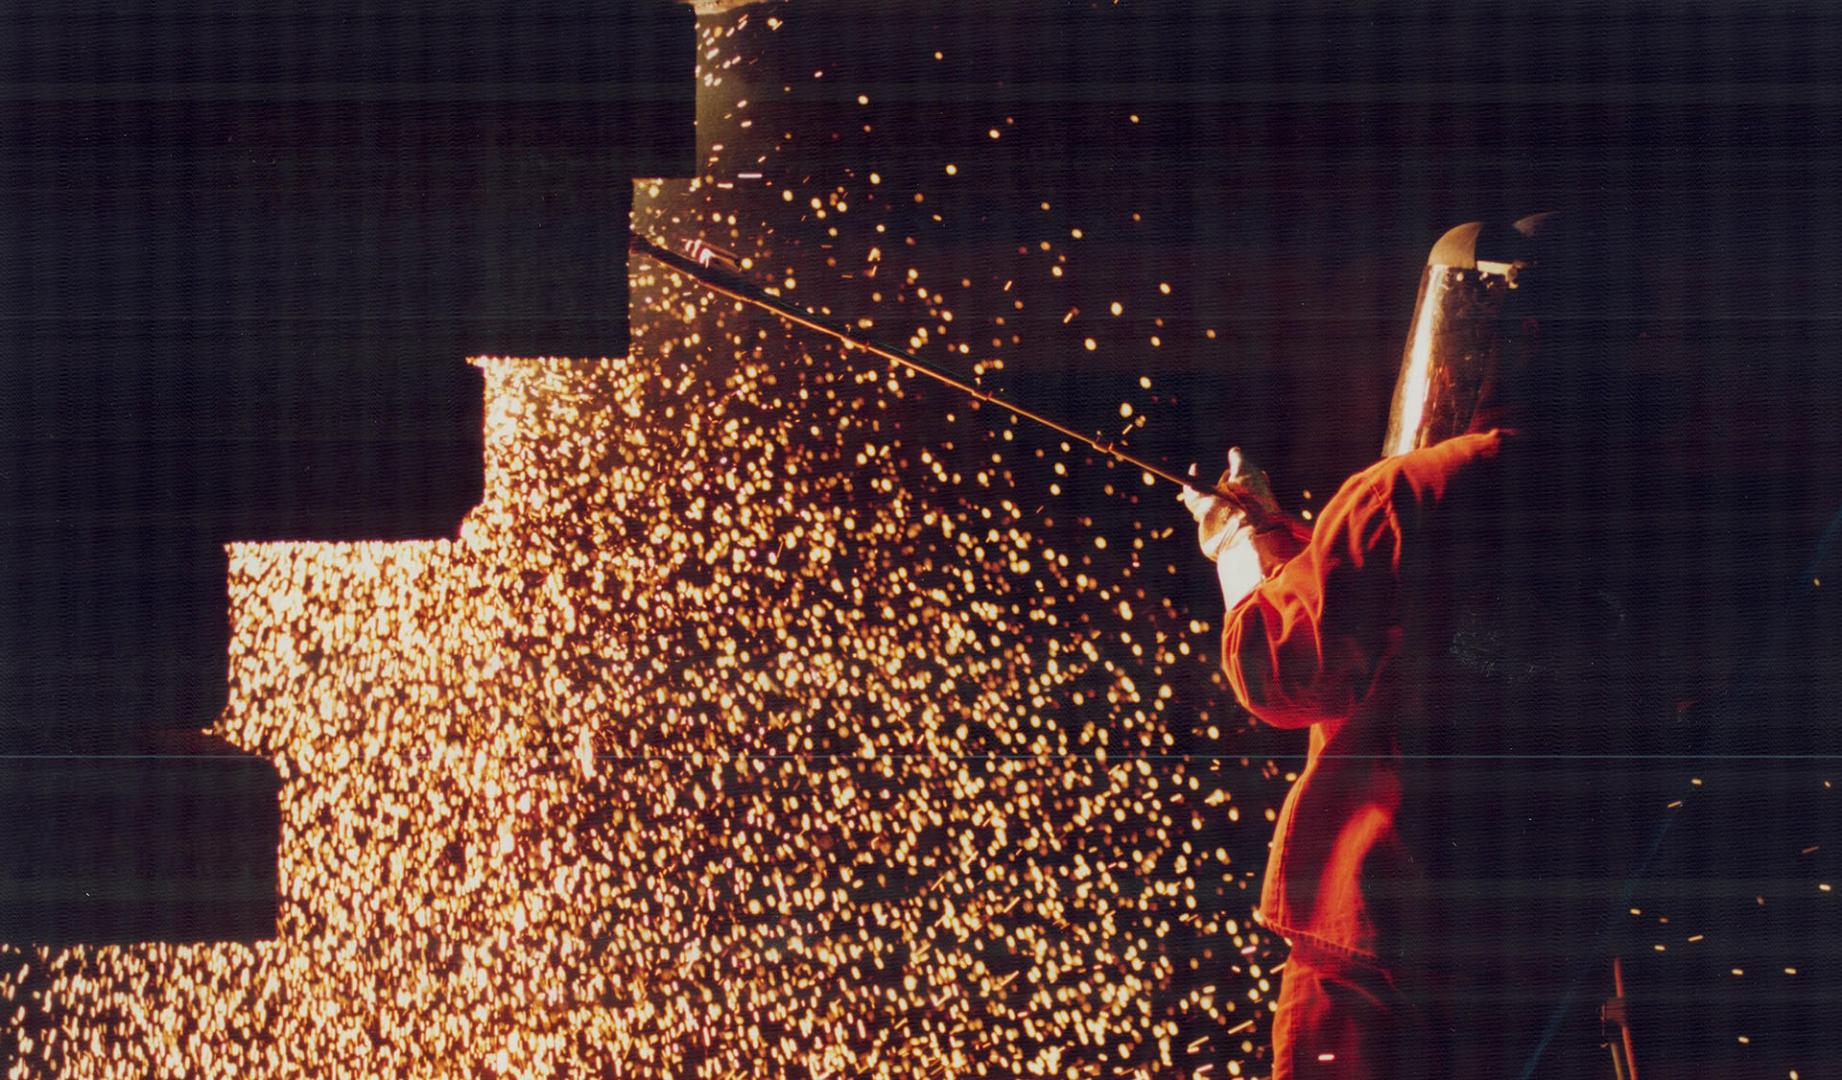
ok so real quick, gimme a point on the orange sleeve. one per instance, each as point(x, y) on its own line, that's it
point(1306, 644)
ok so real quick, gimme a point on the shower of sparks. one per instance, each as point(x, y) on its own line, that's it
point(712, 745)
point(740, 732)
point(775, 714)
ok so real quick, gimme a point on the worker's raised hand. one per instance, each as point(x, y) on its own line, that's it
point(1217, 519)
point(1249, 537)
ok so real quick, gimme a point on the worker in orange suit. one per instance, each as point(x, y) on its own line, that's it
point(1474, 627)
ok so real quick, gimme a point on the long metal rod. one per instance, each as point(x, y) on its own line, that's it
point(735, 287)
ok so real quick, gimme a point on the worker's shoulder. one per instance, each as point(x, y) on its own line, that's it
point(1435, 473)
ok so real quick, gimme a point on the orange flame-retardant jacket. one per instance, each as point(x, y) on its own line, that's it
point(1452, 633)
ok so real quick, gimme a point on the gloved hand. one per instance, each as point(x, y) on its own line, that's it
point(1245, 551)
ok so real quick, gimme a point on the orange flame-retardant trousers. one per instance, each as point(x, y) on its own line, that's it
point(1340, 1019)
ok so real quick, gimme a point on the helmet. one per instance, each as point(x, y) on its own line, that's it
point(1526, 325)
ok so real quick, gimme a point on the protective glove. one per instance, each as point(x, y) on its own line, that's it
point(1248, 541)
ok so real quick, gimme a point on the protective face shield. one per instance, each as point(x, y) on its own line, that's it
point(1535, 325)
point(1452, 364)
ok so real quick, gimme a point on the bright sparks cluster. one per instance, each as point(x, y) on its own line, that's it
point(723, 741)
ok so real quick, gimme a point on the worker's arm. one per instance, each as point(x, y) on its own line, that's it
point(1305, 642)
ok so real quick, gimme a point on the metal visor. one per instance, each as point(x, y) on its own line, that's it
point(1451, 363)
